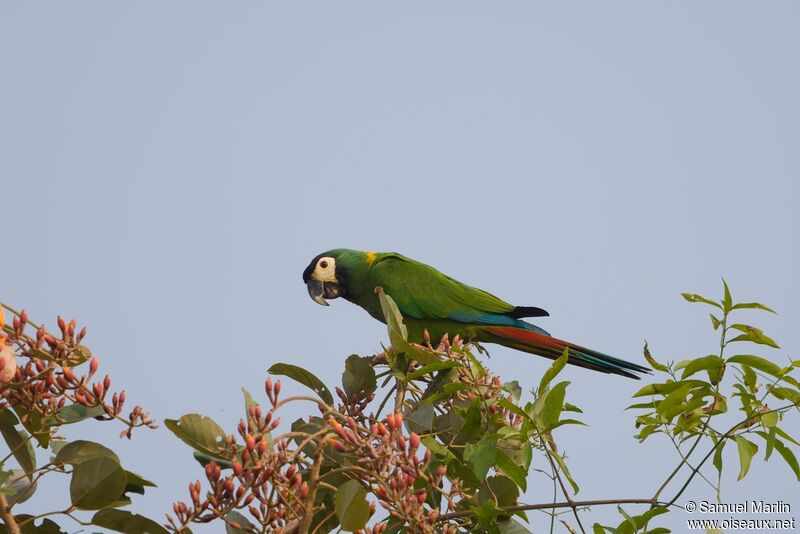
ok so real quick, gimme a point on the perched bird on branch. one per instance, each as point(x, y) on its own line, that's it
point(432, 301)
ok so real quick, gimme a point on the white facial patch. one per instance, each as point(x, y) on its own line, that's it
point(325, 270)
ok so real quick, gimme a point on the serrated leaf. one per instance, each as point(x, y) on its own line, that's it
point(126, 522)
point(303, 376)
point(352, 507)
point(96, 483)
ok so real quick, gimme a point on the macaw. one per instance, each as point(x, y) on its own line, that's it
point(430, 300)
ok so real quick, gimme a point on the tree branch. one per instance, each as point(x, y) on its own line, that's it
point(544, 506)
point(8, 517)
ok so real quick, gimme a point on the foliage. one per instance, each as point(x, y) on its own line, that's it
point(454, 452)
point(419, 438)
point(41, 391)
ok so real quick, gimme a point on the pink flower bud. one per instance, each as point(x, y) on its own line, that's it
point(93, 365)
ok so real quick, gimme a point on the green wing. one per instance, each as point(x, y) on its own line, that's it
point(422, 292)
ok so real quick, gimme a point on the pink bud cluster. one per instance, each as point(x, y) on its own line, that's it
point(47, 382)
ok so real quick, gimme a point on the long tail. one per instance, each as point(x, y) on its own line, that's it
point(543, 344)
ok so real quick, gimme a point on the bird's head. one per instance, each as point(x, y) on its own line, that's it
point(325, 277)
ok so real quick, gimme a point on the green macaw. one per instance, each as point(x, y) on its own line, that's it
point(432, 301)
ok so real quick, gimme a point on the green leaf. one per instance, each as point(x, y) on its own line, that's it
point(747, 449)
point(135, 483)
point(359, 376)
point(96, 483)
point(437, 448)
point(394, 319)
point(757, 362)
point(430, 369)
point(472, 421)
point(637, 522)
point(126, 522)
point(481, 455)
point(304, 377)
point(652, 361)
point(677, 396)
point(352, 507)
point(420, 419)
point(499, 489)
point(727, 301)
point(512, 470)
point(248, 402)
point(667, 387)
point(560, 461)
point(553, 370)
point(718, 457)
point(553, 403)
point(244, 527)
point(199, 432)
point(79, 451)
point(45, 526)
point(693, 297)
point(514, 388)
point(711, 363)
point(789, 456)
point(80, 355)
point(714, 321)
point(19, 443)
point(597, 528)
point(753, 335)
point(75, 413)
point(753, 305)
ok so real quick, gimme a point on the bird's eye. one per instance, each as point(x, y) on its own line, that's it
point(323, 264)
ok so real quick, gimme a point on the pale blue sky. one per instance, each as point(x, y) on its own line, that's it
point(169, 169)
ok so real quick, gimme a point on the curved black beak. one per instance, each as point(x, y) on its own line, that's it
point(316, 290)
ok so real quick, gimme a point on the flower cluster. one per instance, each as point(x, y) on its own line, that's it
point(46, 384)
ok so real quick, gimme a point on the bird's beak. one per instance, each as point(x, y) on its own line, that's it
point(316, 290)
